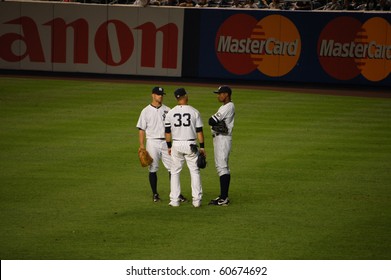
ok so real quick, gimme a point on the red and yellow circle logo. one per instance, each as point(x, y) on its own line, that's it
point(271, 45)
point(345, 53)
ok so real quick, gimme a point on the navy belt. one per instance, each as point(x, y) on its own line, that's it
point(184, 140)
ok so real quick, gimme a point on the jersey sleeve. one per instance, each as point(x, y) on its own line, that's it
point(227, 111)
point(199, 122)
point(142, 122)
point(167, 121)
point(220, 115)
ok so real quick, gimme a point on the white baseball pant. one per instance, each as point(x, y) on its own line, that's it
point(181, 152)
point(157, 149)
point(222, 147)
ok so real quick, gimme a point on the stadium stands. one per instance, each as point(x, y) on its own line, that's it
point(350, 5)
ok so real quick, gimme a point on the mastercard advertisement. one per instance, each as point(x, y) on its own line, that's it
point(296, 46)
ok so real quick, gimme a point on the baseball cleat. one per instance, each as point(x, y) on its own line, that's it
point(156, 197)
point(182, 198)
point(173, 204)
point(197, 204)
point(214, 201)
point(223, 202)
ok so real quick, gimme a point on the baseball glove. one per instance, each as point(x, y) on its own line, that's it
point(144, 156)
point(220, 128)
point(201, 159)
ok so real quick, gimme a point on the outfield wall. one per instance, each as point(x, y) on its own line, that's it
point(238, 44)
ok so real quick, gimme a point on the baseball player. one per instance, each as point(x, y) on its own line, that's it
point(183, 127)
point(151, 128)
point(222, 124)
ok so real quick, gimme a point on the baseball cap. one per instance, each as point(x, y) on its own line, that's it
point(222, 89)
point(158, 91)
point(180, 92)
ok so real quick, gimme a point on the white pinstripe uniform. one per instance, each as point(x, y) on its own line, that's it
point(151, 120)
point(222, 143)
point(183, 122)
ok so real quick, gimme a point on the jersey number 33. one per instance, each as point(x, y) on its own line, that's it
point(182, 120)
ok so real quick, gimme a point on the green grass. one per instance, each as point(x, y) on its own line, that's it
point(310, 177)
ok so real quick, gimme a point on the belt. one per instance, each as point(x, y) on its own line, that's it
point(183, 140)
point(217, 134)
point(158, 138)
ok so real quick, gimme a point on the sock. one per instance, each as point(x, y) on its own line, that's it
point(153, 182)
point(224, 185)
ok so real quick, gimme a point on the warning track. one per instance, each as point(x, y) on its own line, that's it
point(325, 89)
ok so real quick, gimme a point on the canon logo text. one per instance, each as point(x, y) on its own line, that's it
point(103, 44)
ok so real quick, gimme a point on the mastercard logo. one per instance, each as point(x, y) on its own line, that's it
point(356, 49)
point(272, 45)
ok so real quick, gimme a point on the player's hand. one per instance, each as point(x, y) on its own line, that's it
point(202, 151)
point(169, 151)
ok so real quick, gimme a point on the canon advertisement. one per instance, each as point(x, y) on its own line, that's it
point(74, 37)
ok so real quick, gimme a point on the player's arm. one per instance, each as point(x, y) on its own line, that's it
point(200, 137)
point(213, 121)
point(168, 138)
point(218, 117)
point(141, 138)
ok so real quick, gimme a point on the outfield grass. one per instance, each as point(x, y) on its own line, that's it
point(310, 177)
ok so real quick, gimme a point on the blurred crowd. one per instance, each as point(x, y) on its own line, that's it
point(358, 5)
point(351, 5)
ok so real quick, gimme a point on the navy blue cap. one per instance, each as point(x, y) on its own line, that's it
point(158, 91)
point(180, 92)
point(223, 89)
